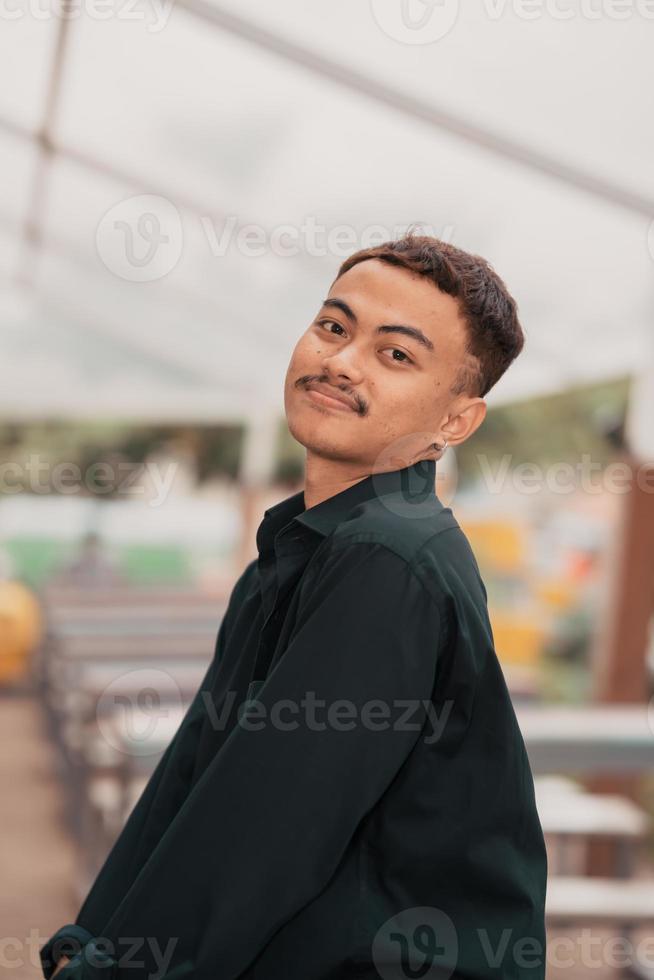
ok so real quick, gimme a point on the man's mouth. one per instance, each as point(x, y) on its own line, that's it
point(330, 397)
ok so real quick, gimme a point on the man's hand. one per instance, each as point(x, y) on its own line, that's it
point(60, 965)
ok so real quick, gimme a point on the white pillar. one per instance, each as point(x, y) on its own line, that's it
point(258, 456)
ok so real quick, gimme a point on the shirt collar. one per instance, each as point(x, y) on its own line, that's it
point(417, 479)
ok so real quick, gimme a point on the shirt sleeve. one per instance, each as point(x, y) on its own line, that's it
point(138, 835)
point(264, 828)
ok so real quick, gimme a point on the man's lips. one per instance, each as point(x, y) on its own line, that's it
point(331, 397)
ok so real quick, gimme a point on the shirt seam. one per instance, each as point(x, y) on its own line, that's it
point(376, 537)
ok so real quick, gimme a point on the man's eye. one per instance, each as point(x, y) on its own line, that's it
point(333, 323)
point(404, 357)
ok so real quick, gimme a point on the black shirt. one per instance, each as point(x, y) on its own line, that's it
point(371, 813)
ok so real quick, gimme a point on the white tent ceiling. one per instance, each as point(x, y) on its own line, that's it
point(522, 138)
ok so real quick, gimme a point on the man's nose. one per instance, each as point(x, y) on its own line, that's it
point(343, 365)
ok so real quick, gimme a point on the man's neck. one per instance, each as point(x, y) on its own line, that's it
point(324, 478)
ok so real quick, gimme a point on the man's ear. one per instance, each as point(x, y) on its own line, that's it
point(464, 421)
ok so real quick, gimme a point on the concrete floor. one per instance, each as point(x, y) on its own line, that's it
point(36, 853)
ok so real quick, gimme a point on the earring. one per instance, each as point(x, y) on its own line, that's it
point(440, 448)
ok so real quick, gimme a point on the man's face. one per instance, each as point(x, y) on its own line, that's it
point(398, 380)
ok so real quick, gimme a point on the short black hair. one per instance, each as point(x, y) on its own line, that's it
point(495, 336)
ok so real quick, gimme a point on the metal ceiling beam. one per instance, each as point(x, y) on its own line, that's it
point(140, 185)
point(434, 116)
point(212, 307)
point(43, 136)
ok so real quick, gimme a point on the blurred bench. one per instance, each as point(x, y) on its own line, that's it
point(571, 818)
point(587, 738)
point(573, 899)
point(105, 652)
point(94, 638)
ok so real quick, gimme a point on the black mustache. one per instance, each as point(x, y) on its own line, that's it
point(310, 379)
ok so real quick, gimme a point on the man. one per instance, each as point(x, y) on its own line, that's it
point(349, 794)
point(91, 568)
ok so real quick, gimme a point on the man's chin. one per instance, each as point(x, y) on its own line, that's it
point(326, 439)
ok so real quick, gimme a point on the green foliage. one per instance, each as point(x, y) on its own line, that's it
point(214, 448)
point(543, 430)
point(154, 565)
point(556, 428)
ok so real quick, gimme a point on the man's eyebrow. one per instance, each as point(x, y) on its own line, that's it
point(413, 332)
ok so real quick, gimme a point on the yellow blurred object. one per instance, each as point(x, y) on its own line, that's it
point(557, 593)
point(498, 545)
point(518, 639)
point(20, 629)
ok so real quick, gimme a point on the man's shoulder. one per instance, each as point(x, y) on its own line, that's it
point(404, 523)
point(422, 531)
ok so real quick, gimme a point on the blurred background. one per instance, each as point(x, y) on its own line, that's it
point(179, 184)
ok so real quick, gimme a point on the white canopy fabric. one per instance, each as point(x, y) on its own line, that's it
point(264, 143)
